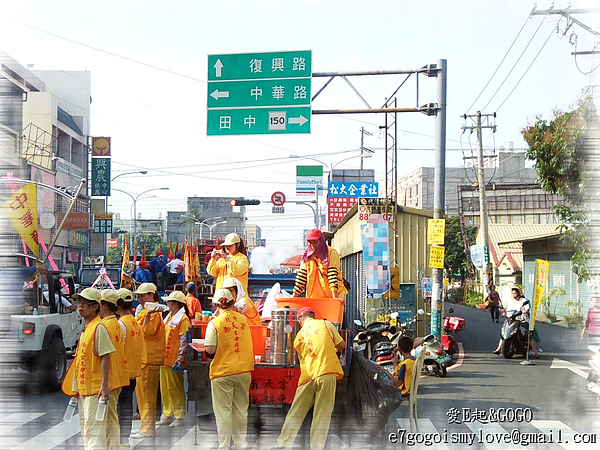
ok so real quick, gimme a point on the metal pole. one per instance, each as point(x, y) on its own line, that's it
point(439, 191)
point(135, 224)
point(483, 213)
point(62, 224)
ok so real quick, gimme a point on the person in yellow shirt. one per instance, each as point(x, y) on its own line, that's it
point(316, 344)
point(228, 342)
point(134, 348)
point(402, 370)
point(177, 324)
point(153, 331)
point(244, 304)
point(232, 262)
point(320, 269)
point(89, 376)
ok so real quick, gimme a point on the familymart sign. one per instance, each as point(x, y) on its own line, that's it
point(308, 179)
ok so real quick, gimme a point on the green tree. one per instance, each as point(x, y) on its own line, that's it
point(455, 259)
point(556, 147)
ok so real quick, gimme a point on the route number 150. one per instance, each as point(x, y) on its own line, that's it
point(277, 120)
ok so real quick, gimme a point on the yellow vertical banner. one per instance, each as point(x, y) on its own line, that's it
point(21, 210)
point(126, 281)
point(542, 270)
point(436, 231)
point(436, 257)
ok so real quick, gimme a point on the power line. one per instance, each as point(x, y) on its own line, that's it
point(527, 70)
point(116, 55)
point(516, 62)
point(497, 68)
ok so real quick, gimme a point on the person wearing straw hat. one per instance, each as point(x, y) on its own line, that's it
point(134, 344)
point(320, 270)
point(88, 376)
point(316, 344)
point(230, 262)
point(153, 357)
point(228, 343)
point(244, 305)
point(177, 324)
point(118, 365)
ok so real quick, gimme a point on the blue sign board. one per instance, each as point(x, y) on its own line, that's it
point(364, 189)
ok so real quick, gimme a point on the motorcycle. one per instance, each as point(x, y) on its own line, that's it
point(594, 377)
point(436, 358)
point(451, 325)
point(514, 340)
point(374, 343)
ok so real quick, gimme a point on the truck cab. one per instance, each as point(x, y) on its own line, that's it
point(43, 329)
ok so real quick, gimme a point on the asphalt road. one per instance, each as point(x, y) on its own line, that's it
point(550, 395)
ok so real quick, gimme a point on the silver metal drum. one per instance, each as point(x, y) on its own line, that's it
point(285, 327)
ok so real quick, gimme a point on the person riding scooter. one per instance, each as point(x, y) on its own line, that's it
point(515, 307)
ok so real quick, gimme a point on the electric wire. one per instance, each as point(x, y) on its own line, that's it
point(499, 65)
point(527, 70)
point(516, 62)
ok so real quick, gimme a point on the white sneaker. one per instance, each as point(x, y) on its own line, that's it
point(139, 434)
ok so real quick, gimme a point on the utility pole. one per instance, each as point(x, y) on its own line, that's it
point(486, 276)
point(362, 144)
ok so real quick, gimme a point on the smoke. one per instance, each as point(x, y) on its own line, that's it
point(263, 259)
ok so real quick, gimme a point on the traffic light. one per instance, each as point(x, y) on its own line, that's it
point(243, 202)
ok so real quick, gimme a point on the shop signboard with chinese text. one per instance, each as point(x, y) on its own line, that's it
point(379, 206)
point(436, 257)
point(75, 221)
point(103, 223)
point(436, 229)
point(100, 177)
point(259, 93)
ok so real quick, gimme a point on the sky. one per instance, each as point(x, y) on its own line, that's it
point(148, 64)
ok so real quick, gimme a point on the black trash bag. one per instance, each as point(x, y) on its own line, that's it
point(372, 395)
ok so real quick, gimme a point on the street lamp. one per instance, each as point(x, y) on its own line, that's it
point(135, 199)
point(203, 222)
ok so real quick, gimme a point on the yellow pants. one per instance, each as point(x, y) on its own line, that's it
point(321, 393)
point(93, 431)
point(172, 393)
point(113, 430)
point(230, 404)
point(147, 392)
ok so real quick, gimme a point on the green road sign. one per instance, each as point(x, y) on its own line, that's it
point(272, 120)
point(259, 93)
point(281, 92)
point(253, 66)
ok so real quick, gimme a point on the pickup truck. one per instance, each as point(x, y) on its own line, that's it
point(43, 333)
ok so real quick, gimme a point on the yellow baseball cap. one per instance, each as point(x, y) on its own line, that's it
point(125, 294)
point(145, 288)
point(176, 296)
point(110, 296)
point(91, 294)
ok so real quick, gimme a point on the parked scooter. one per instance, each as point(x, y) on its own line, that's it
point(594, 376)
point(452, 325)
point(374, 343)
point(514, 340)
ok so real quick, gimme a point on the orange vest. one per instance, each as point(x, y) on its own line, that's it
point(316, 351)
point(154, 338)
point(234, 345)
point(86, 365)
point(317, 284)
point(172, 339)
point(118, 363)
point(251, 313)
point(134, 346)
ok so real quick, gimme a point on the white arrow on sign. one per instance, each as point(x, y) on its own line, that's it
point(298, 120)
point(218, 67)
point(219, 94)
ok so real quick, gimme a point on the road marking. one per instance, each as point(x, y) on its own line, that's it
point(561, 432)
point(461, 357)
point(575, 368)
point(53, 436)
point(13, 421)
point(425, 426)
point(188, 439)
